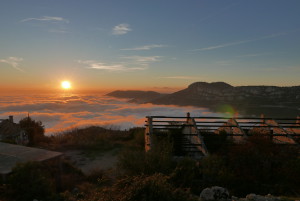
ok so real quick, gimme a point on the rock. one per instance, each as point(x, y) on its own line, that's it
point(254, 197)
point(233, 198)
point(75, 191)
point(214, 193)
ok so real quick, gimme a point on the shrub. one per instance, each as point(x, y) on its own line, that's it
point(141, 188)
point(30, 181)
point(217, 143)
point(255, 166)
point(187, 174)
point(135, 161)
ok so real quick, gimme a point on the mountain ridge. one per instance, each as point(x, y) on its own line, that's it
point(204, 94)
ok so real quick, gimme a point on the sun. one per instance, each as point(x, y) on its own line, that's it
point(65, 84)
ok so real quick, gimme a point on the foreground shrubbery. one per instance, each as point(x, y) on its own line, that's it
point(256, 166)
point(93, 137)
point(42, 181)
point(139, 188)
point(30, 181)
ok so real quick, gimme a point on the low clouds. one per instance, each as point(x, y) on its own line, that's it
point(14, 62)
point(47, 19)
point(145, 47)
point(59, 113)
point(121, 29)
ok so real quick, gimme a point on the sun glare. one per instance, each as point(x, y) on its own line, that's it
point(65, 85)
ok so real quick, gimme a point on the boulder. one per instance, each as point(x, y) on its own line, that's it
point(214, 193)
point(254, 197)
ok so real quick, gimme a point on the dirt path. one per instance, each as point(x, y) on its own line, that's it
point(103, 161)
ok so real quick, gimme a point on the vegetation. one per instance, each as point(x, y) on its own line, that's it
point(30, 181)
point(34, 129)
point(256, 166)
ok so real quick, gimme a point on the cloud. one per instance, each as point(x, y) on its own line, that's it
point(253, 55)
point(142, 59)
point(59, 113)
point(131, 63)
point(13, 61)
point(181, 77)
point(121, 29)
point(146, 47)
point(47, 19)
point(62, 31)
point(239, 42)
point(50, 23)
point(108, 67)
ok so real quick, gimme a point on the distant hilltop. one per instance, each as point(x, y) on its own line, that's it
point(136, 96)
point(203, 94)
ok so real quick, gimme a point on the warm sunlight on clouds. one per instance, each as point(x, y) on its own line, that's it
point(58, 112)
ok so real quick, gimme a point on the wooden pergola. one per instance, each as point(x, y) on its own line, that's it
point(280, 130)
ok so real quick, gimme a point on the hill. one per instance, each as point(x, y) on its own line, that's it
point(245, 99)
point(204, 94)
point(136, 96)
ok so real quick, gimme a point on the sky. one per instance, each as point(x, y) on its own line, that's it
point(161, 45)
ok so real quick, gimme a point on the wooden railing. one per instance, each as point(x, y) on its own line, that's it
point(280, 130)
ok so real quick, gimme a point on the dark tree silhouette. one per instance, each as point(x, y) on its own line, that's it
point(34, 129)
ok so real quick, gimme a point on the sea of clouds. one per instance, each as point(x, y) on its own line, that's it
point(59, 112)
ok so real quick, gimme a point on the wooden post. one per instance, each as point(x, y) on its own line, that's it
point(148, 134)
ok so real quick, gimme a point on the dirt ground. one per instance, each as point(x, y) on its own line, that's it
point(103, 161)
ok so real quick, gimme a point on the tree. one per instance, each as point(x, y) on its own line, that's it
point(34, 129)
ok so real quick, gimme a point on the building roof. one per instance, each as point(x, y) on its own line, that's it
point(9, 129)
point(11, 154)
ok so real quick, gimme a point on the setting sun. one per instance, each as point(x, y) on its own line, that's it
point(65, 84)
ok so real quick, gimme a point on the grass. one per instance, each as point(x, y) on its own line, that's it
point(91, 139)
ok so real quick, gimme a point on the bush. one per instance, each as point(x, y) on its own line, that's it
point(217, 143)
point(187, 174)
point(141, 188)
point(135, 161)
point(256, 166)
point(30, 181)
point(215, 171)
